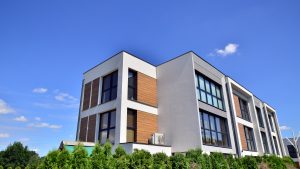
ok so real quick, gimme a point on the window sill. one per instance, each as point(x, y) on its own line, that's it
point(142, 103)
point(211, 105)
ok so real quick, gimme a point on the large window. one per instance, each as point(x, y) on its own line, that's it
point(249, 138)
point(292, 151)
point(107, 127)
point(244, 110)
point(265, 142)
point(209, 92)
point(271, 120)
point(259, 116)
point(109, 87)
point(131, 125)
point(276, 145)
point(132, 85)
point(214, 130)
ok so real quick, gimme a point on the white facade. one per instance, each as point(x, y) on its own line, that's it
point(178, 109)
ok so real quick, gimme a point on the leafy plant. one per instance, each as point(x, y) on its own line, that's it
point(64, 159)
point(249, 163)
point(179, 161)
point(218, 161)
point(80, 158)
point(141, 159)
point(161, 161)
point(234, 163)
point(122, 159)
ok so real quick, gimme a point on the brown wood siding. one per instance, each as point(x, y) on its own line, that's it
point(86, 96)
point(146, 89)
point(95, 92)
point(146, 126)
point(83, 127)
point(237, 106)
point(243, 137)
point(91, 128)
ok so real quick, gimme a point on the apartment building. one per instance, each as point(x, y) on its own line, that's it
point(182, 104)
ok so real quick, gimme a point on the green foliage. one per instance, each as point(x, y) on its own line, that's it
point(250, 163)
point(275, 162)
point(288, 160)
point(234, 163)
point(161, 161)
point(80, 158)
point(195, 158)
point(64, 159)
point(18, 167)
point(50, 161)
point(179, 161)
point(218, 161)
point(16, 155)
point(141, 159)
point(1, 167)
point(121, 158)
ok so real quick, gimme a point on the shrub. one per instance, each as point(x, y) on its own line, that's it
point(179, 161)
point(80, 158)
point(218, 161)
point(161, 161)
point(119, 152)
point(249, 163)
point(288, 160)
point(195, 158)
point(18, 167)
point(63, 159)
point(141, 159)
point(206, 162)
point(1, 167)
point(234, 163)
point(50, 161)
point(275, 162)
point(122, 159)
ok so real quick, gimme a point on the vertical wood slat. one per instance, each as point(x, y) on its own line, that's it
point(83, 128)
point(91, 128)
point(86, 96)
point(95, 92)
point(243, 137)
point(146, 126)
point(146, 89)
point(237, 106)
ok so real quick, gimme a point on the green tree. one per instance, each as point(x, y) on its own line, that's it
point(121, 158)
point(141, 159)
point(98, 157)
point(50, 161)
point(16, 155)
point(80, 158)
point(179, 161)
point(161, 161)
point(64, 159)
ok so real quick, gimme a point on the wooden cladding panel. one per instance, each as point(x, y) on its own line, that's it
point(146, 126)
point(91, 128)
point(86, 96)
point(146, 89)
point(237, 106)
point(95, 92)
point(83, 128)
point(243, 137)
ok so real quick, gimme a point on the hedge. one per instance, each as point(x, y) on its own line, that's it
point(102, 158)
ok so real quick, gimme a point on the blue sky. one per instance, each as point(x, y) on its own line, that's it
point(45, 46)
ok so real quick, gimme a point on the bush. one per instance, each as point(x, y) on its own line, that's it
point(80, 158)
point(249, 163)
point(218, 161)
point(275, 162)
point(1, 167)
point(141, 159)
point(288, 160)
point(234, 163)
point(195, 158)
point(18, 167)
point(122, 159)
point(179, 161)
point(50, 161)
point(161, 161)
point(64, 159)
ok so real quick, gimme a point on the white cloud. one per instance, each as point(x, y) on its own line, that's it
point(65, 97)
point(37, 118)
point(4, 108)
point(4, 135)
point(40, 90)
point(45, 125)
point(21, 119)
point(283, 128)
point(229, 49)
point(35, 149)
point(24, 139)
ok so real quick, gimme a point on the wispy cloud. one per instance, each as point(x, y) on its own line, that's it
point(40, 90)
point(21, 119)
point(229, 49)
point(37, 118)
point(57, 106)
point(45, 125)
point(4, 135)
point(24, 140)
point(65, 97)
point(284, 128)
point(5, 108)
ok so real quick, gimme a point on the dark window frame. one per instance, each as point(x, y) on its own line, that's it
point(134, 87)
point(110, 88)
point(259, 116)
point(208, 91)
point(223, 133)
point(134, 128)
point(276, 145)
point(292, 151)
point(108, 128)
point(265, 142)
point(250, 140)
point(244, 109)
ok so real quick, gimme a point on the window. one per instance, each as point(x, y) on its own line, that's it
point(107, 127)
point(292, 151)
point(259, 116)
point(276, 145)
point(209, 92)
point(265, 142)
point(132, 85)
point(214, 130)
point(249, 138)
point(109, 87)
point(131, 125)
point(271, 120)
point(244, 110)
